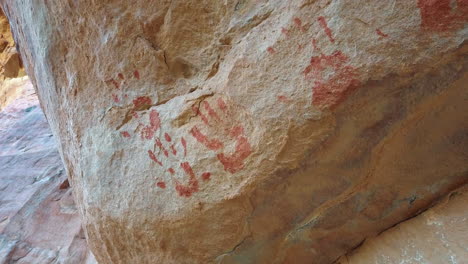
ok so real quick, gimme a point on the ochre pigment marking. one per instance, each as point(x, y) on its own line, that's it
point(439, 16)
point(153, 157)
point(187, 190)
point(125, 134)
point(381, 34)
point(161, 147)
point(200, 137)
point(331, 91)
point(184, 144)
point(271, 50)
point(324, 25)
point(136, 74)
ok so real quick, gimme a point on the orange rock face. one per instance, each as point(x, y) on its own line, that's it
point(249, 131)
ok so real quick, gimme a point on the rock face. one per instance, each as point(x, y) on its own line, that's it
point(249, 131)
point(39, 222)
point(436, 236)
point(10, 65)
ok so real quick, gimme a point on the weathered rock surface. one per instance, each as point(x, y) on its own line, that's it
point(438, 236)
point(249, 131)
point(39, 222)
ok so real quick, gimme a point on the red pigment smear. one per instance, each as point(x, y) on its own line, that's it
point(147, 133)
point(125, 134)
point(141, 102)
point(174, 151)
point(155, 122)
point(380, 33)
point(222, 105)
point(323, 24)
point(438, 15)
point(297, 22)
point(121, 76)
point(171, 171)
point(206, 176)
point(167, 137)
point(283, 99)
point(161, 147)
point(161, 185)
point(329, 92)
point(115, 83)
point(115, 98)
point(271, 50)
point(187, 190)
point(136, 74)
point(135, 115)
point(210, 110)
point(153, 157)
point(285, 31)
point(235, 162)
point(197, 112)
point(200, 137)
point(314, 44)
point(184, 144)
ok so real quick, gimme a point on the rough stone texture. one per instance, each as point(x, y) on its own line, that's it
point(438, 236)
point(10, 64)
point(249, 131)
point(39, 222)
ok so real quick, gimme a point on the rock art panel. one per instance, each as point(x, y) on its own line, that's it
point(250, 131)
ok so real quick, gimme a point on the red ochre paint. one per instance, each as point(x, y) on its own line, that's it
point(297, 22)
point(153, 157)
point(206, 176)
point(314, 44)
point(141, 101)
point(125, 134)
point(210, 110)
point(187, 190)
point(167, 137)
point(171, 171)
point(285, 32)
point(200, 137)
point(323, 24)
point(115, 83)
point(161, 147)
point(283, 99)
point(235, 161)
point(197, 112)
point(222, 104)
point(381, 34)
point(115, 98)
point(161, 185)
point(329, 92)
point(121, 76)
point(439, 16)
point(136, 74)
point(271, 50)
point(155, 122)
point(184, 144)
point(174, 151)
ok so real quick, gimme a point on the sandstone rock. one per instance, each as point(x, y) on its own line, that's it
point(39, 222)
point(249, 131)
point(439, 235)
